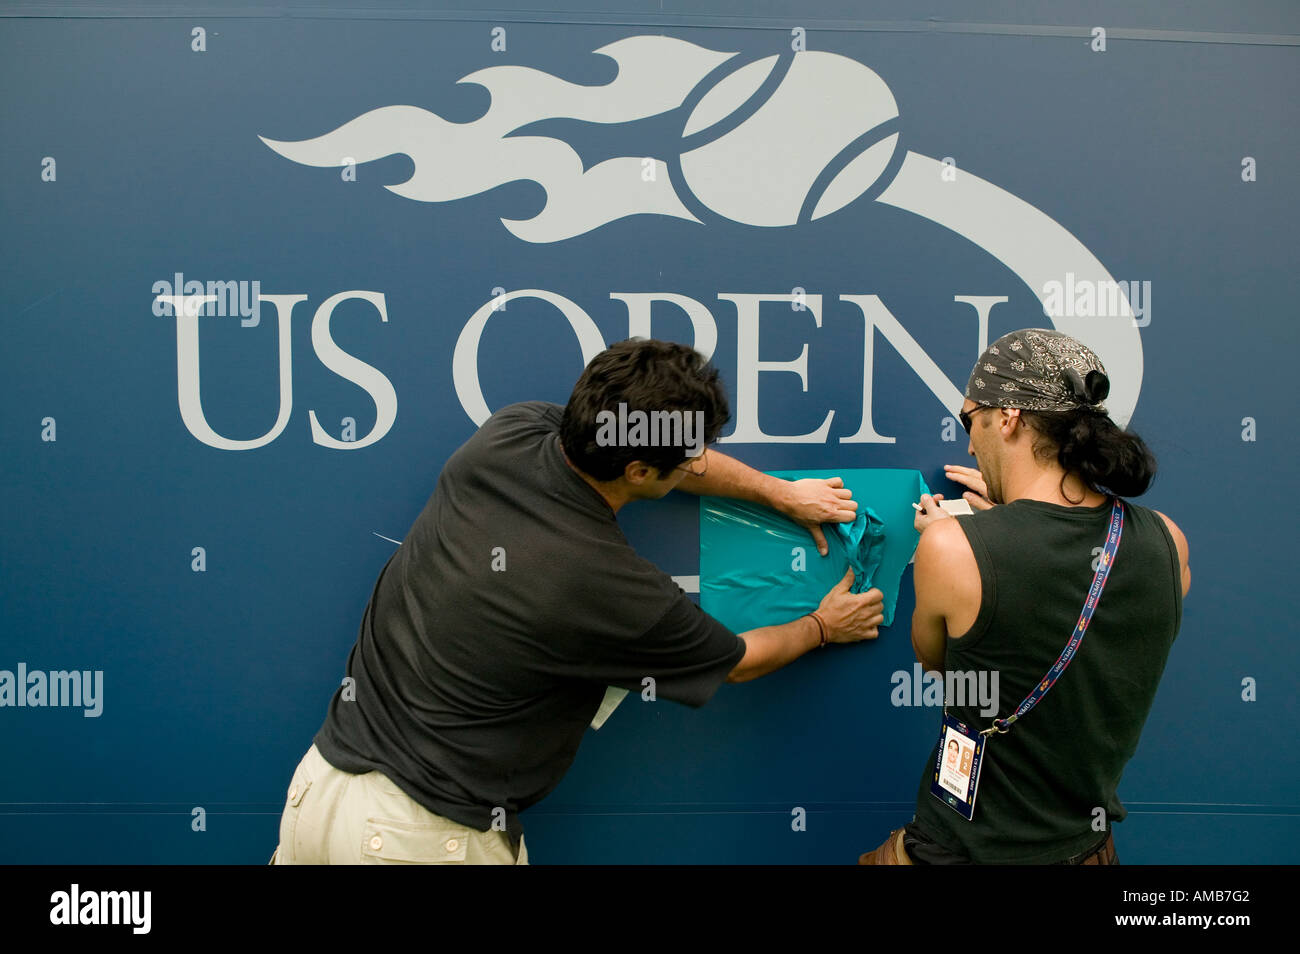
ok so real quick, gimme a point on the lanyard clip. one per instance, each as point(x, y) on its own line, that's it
point(998, 726)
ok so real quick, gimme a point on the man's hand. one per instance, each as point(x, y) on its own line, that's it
point(848, 618)
point(930, 512)
point(977, 494)
point(813, 501)
point(809, 502)
point(851, 617)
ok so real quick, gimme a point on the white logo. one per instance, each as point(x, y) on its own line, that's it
point(188, 309)
point(755, 166)
point(760, 147)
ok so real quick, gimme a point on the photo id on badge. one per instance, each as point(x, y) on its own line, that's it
point(957, 769)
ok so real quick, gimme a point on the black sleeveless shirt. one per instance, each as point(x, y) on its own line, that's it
point(1043, 782)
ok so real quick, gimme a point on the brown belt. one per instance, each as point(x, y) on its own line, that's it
point(1105, 855)
point(892, 852)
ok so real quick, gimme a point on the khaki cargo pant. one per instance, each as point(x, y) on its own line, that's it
point(332, 817)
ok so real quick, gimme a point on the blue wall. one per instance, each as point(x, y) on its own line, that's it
point(215, 681)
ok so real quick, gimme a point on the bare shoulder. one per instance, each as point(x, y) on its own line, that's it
point(944, 550)
point(1180, 543)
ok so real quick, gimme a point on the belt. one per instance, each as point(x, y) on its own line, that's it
point(1103, 854)
point(892, 852)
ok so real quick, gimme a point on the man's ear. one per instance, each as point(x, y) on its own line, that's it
point(639, 472)
point(1011, 417)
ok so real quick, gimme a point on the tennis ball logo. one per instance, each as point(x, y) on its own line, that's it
point(828, 112)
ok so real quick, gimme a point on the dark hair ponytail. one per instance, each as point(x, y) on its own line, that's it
point(1088, 443)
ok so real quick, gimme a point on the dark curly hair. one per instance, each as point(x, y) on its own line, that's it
point(648, 375)
point(1088, 443)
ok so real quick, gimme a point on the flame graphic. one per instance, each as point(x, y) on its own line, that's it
point(458, 160)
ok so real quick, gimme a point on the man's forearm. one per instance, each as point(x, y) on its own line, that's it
point(728, 477)
point(768, 648)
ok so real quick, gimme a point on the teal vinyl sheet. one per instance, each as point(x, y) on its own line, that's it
point(750, 559)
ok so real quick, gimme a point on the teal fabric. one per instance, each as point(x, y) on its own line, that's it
point(751, 559)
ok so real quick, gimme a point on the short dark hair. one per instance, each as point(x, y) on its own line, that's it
point(1086, 442)
point(648, 375)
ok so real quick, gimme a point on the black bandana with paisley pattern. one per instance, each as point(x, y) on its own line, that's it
point(1039, 370)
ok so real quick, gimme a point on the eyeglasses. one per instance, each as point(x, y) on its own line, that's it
point(689, 466)
point(964, 416)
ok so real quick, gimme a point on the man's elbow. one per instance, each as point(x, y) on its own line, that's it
point(928, 662)
point(741, 674)
point(751, 663)
point(930, 665)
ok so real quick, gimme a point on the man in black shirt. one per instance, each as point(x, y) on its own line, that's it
point(999, 593)
point(515, 600)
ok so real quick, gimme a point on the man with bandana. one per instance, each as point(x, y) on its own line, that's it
point(1001, 590)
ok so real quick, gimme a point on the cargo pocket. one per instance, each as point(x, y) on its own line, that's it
point(389, 842)
point(289, 849)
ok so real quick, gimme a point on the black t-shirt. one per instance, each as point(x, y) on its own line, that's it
point(494, 629)
point(1044, 784)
